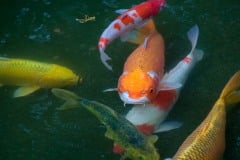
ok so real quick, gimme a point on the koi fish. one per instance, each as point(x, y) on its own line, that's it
point(129, 19)
point(143, 69)
point(207, 141)
point(149, 118)
point(32, 75)
point(137, 145)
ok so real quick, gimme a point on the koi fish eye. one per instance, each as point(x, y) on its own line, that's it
point(151, 90)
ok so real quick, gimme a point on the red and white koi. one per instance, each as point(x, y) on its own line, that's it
point(129, 19)
point(149, 117)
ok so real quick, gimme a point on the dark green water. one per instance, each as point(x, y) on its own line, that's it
point(46, 30)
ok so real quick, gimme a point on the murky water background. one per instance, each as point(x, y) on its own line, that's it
point(46, 30)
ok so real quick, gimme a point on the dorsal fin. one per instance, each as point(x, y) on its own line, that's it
point(145, 43)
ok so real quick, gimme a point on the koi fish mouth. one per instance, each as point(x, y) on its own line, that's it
point(127, 100)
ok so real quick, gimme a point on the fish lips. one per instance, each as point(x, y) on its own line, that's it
point(124, 96)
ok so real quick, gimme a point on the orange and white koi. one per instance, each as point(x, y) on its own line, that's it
point(32, 75)
point(207, 141)
point(129, 19)
point(143, 70)
point(149, 117)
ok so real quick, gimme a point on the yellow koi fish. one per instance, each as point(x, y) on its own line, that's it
point(207, 141)
point(32, 75)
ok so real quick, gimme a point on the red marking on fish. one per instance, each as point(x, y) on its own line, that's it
point(103, 42)
point(126, 20)
point(117, 149)
point(117, 26)
point(164, 99)
point(187, 59)
point(146, 129)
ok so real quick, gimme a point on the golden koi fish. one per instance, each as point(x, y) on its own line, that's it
point(32, 75)
point(207, 141)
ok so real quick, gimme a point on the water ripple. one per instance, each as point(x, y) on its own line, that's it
point(111, 3)
point(40, 34)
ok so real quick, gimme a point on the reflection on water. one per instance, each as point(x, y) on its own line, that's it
point(46, 30)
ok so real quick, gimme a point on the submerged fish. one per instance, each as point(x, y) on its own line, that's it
point(32, 75)
point(149, 117)
point(207, 141)
point(129, 19)
point(137, 146)
point(143, 69)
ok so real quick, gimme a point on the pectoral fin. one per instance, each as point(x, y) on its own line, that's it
point(4, 58)
point(139, 35)
point(169, 86)
point(121, 11)
point(110, 90)
point(153, 138)
point(71, 99)
point(167, 126)
point(23, 91)
point(108, 134)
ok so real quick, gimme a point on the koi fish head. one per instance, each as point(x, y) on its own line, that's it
point(137, 87)
point(156, 5)
point(60, 76)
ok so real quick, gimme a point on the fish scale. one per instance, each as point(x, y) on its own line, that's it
point(207, 141)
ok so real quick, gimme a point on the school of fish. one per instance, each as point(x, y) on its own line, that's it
point(144, 84)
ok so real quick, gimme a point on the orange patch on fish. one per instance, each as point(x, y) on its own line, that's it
point(135, 81)
point(127, 20)
point(117, 26)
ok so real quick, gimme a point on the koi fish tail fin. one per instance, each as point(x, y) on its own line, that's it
point(197, 54)
point(104, 58)
point(193, 34)
point(231, 91)
point(70, 98)
point(137, 36)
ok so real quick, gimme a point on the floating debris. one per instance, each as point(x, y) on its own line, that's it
point(86, 19)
